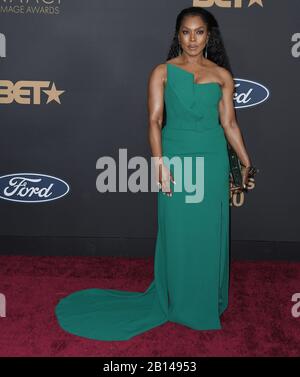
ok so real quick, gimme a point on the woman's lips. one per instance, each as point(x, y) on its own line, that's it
point(193, 47)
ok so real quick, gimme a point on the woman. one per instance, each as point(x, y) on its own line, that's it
point(191, 270)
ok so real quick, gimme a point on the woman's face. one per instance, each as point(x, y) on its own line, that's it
point(193, 35)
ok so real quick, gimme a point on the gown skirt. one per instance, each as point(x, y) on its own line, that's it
point(191, 260)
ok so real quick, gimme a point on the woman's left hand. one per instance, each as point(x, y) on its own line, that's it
point(245, 176)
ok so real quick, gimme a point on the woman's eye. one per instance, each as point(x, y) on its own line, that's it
point(199, 31)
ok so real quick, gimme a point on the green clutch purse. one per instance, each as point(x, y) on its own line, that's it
point(235, 167)
point(237, 192)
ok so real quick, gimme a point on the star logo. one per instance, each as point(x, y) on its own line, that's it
point(53, 94)
point(252, 2)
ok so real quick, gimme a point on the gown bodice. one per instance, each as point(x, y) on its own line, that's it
point(190, 105)
point(192, 115)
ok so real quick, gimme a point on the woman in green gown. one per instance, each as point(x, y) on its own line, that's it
point(191, 270)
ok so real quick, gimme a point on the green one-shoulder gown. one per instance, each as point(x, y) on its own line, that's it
point(191, 263)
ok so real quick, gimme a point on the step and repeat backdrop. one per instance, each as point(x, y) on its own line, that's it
point(73, 91)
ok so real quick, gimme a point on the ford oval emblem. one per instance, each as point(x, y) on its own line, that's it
point(249, 93)
point(32, 187)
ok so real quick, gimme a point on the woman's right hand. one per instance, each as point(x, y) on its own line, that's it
point(164, 177)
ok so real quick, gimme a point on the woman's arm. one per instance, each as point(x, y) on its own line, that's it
point(155, 108)
point(228, 118)
point(155, 121)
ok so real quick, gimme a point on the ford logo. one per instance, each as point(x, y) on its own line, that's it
point(249, 93)
point(32, 188)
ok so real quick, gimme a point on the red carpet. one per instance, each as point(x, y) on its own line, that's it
point(258, 321)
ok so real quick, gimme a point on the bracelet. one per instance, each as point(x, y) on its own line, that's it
point(249, 166)
point(158, 159)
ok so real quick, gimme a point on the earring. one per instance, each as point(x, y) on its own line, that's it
point(205, 54)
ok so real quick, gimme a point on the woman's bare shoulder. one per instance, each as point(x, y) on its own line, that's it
point(225, 74)
point(161, 68)
point(159, 73)
point(222, 73)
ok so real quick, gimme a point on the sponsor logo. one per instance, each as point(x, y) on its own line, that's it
point(32, 7)
point(32, 187)
point(227, 3)
point(249, 93)
point(28, 92)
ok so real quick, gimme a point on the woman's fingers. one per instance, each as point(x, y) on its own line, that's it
point(172, 178)
point(167, 177)
point(166, 189)
point(245, 181)
point(245, 176)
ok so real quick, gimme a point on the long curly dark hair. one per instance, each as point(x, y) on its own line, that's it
point(215, 47)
